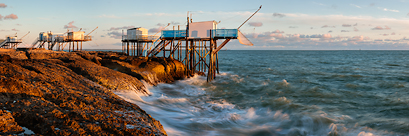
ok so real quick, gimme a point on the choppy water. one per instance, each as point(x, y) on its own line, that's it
point(289, 93)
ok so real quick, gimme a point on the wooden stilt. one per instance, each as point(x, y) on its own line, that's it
point(127, 48)
point(137, 49)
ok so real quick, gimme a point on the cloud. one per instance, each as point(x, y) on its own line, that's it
point(160, 24)
point(344, 31)
point(332, 6)
point(11, 16)
point(372, 4)
point(355, 6)
point(109, 16)
point(256, 24)
point(356, 24)
point(18, 24)
point(278, 15)
point(14, 29)
point(1, 17)
point(70, 25)
point(358, 38)
point(293, 27)
point(385, 9)
point(326, 36)
point(277, 31)
point(155, 30)
point(381, 28)
point(330, 31)
point(355, 29)
point(391, 40)
point(174, 23)
point(120, 28)
point(346, 25)
point(377, 28)
point(115, 35)
point(269, 40)
point(305, 19)
point(2, 5)
point(167, 14)
point(269, 36)
point(404, 39)
point(325, 26)
point(319, 4)
point(393, 33)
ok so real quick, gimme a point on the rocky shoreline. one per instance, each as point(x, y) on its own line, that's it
point(72, 93)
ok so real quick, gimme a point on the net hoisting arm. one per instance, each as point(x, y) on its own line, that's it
point(250, 17)
point(25, 35)
point(92, 31)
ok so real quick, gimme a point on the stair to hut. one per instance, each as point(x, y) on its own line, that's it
point(35, 43)
point(3, 43)
point(156, 49)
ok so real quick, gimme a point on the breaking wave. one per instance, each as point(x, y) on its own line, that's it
point(293, 94)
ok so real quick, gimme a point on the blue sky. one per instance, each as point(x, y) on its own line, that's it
point(280, 24)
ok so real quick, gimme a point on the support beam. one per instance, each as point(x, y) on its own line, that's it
point(222, 45)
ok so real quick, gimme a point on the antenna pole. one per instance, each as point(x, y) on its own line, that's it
point(250, 17)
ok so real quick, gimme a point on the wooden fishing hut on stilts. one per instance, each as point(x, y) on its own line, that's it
point(137, 41)
point(50, 39)
point(196, 47)
point(198, 50)
point(11, 42)
point(60, 41)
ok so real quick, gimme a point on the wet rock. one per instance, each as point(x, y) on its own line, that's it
point(152, 70)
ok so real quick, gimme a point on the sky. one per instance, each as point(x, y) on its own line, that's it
point(279, 25)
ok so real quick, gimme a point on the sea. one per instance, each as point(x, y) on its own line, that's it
point(287, 92)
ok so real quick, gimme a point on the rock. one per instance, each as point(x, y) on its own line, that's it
point(7, 124)
point(18, 55)
point(86, 55)
point(106, 77)
point(153, 71)
point(6, 50)
point(72, 93)
point(48, 54)
point(13, 53)
point(4, 57)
